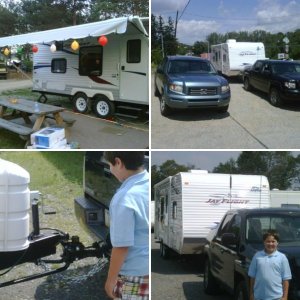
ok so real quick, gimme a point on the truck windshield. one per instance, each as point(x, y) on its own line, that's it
point(281, 68)
point(288, 228)
point(190, 66)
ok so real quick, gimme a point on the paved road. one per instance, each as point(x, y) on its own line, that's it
point(251, 123)
point(178, 278)
point(12, 84)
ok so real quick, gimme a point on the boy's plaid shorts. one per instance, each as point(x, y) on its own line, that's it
point(132, 288)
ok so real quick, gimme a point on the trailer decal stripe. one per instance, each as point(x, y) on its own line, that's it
point(138, 73)
point(100, 80)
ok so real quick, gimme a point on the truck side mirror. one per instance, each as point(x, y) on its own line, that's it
point(229, 239)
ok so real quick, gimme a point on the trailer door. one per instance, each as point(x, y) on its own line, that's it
point(134, 69)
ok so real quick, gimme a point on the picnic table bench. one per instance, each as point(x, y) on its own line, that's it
point(11, 109)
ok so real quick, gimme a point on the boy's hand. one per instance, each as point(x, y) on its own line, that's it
point(109, 288)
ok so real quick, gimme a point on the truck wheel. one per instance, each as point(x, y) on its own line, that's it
point(247, 84)
point(80, 103)
point(165, 110)
point(241, 292)
point(156, 92)
point(274, 97)
point(209, 282)
point(103, 107)
point(164, 250)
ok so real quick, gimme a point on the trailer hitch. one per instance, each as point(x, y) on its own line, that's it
point(45, 245)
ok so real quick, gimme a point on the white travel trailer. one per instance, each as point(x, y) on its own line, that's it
point(188, 205)
point(232, 57)
point(281, 198)
point(95, 76)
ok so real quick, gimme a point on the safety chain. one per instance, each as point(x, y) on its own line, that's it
point(75, 279)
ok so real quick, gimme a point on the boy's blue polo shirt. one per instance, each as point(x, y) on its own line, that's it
point(269, 271)
point(129, 223)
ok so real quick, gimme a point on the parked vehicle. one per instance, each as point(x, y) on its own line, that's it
point(91, 209)
point(239, 236)
point(3, 70)
point(232, 57)
point(280, 79)
point(189, 204)
point(189, 82)
point(100, 77)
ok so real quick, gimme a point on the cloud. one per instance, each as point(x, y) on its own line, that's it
point(160, 7)
point(190, 31)
point(276, 17)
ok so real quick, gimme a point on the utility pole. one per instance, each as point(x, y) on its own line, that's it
point(176, 21)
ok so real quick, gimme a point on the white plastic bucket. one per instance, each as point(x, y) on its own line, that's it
point(14, 207)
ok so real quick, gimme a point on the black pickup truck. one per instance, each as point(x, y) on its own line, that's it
point(280, 79)
point(238, 237)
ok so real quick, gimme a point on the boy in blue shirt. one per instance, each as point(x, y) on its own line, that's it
point(269, 271)
point(128, 275)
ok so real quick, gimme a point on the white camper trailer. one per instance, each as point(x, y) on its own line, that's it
point(285, 198)
point(188, 205)
point(232, 57)
point(94, 76)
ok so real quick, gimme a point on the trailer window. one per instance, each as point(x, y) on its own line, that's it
point(59, 65)
point(90, 61)
point(134, 49)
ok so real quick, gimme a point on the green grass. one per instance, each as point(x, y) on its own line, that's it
point(10, 140)
point(58, 176)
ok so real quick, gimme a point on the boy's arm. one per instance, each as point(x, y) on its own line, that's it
point(285, 285)
point(252, 281)
point(118, 256)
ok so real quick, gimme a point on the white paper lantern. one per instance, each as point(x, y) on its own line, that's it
point(53, 48)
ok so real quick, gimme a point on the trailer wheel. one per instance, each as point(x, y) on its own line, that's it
point(209, 282)
point(164, 250)
point(43, 98)
point(80, 103)
point(103, 107)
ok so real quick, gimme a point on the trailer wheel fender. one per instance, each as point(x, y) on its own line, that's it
point(103, 107)
point(80, 103)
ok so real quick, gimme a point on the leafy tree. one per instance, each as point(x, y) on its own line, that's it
point(8, 21)
point(107, 9)
point(279, 167)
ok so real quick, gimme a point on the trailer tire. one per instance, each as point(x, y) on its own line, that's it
point(164, 250)
point(43, 98)
point(103, 107)
point(210, 285)
point(80, 103)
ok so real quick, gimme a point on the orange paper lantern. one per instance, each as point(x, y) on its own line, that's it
point(102, 40)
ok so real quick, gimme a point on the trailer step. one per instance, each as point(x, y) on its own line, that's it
point(126, 115)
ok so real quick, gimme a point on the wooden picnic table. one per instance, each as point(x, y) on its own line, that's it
point(13, 108)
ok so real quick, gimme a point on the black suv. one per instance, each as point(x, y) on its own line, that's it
point(238, 237)
point(189, 82)
point(280, 79)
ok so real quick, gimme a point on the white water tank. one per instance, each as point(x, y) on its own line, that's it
point(14, 207)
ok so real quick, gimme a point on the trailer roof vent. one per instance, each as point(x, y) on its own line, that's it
point(199, 171)
point(231, 41)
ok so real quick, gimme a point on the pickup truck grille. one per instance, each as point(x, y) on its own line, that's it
point(202, 91)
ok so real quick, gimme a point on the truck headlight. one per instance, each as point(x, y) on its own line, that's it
point(225, 88)
point(290, 84)
point(176, 87)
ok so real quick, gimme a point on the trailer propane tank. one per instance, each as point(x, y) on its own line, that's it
point(14, 207)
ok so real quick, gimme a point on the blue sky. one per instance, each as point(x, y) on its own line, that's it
point(205, 160)
point(201, 18)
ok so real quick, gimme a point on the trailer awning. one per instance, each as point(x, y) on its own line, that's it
point(117, 25)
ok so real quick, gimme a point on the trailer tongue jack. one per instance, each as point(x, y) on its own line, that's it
point(44, 243)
